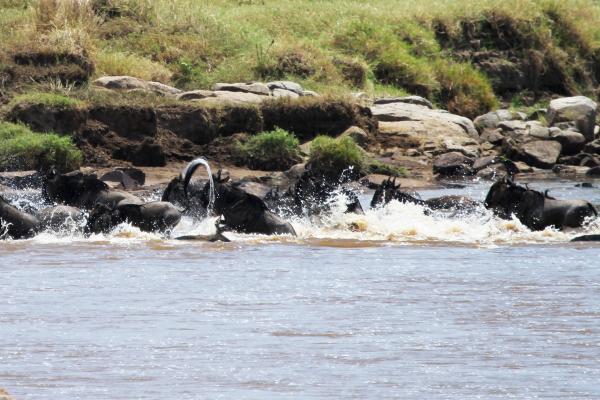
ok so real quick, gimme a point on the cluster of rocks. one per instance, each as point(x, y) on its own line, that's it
point(561, 137)
point(249, 92)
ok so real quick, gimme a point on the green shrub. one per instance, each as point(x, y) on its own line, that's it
point(378, 167)
point(331, 157)
point(274, 150)
point(20, 148)
point(464, 90)
point(47, 99)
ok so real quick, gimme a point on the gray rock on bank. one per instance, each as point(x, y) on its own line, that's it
point(399, 111)
point(579, 110)
point(257, 88)
point(132, 83)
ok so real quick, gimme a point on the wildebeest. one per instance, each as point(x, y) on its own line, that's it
point(388, 191)
point(535, 209)
point(241, 211)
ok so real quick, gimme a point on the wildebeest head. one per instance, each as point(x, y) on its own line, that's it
point(68, 188)
point(506, 198)
point(388, 191)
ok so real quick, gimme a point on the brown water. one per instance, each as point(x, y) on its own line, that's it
point(405, 306)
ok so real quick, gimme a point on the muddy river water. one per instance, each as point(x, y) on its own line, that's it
point(395, 304)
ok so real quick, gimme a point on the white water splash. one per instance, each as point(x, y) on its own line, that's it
point(211, 183)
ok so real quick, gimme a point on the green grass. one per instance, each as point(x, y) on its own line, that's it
point(55, 100)
point(334, 46)
point(20, 148)
point(332, 157)
point(378, 167)
point(272, 151)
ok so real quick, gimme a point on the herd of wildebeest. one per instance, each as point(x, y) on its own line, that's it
point(97, 208)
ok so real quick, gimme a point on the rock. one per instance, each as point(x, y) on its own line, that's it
point(524, 168)
point(357, 134)
point(131, 83)
point(492, 136)
point(310, 93)
point(541, 153)
point(453, 164)
point(593, 147)
point(512, 125)
point(418, 100)
point(572, 142)
point(129, 178)
point(493, 118)
point(594, 171)
point(586, 185)
point(252, 87)
point(493, 172)
point(284, 93)
point(578, 109)
point(224, 97)
point(195, 95)
point(286, 85)
point(539, 132)
point(589, 161)
point(469, 149)
point(398, 112)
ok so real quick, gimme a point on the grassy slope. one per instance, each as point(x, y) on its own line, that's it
point(380, 46)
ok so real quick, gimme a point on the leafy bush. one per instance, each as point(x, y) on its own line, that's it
point(333, 157)
point(273, 150)
point(464, 90)
point(20, 148)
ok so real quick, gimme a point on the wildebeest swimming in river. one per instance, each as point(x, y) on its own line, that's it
point(388, 191)
point(18, 224)
point(82, 190)
point(534, 209)
point(241, 211)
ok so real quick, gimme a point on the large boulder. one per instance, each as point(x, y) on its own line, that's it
point(572, 142)
point(492, 119)
point(453, 164)
point(251, 87)
point(403, 112)
point(579, 109)
point(195, 95)
point(132, 83)
point(541, 153)
point(224, 97)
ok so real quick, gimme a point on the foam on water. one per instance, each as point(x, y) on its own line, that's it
point(395, 223)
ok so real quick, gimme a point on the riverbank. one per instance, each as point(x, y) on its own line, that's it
point(87, 72)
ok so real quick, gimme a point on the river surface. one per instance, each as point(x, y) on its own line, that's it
point(391, 305)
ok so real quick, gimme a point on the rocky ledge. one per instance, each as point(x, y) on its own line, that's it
point(406, 132)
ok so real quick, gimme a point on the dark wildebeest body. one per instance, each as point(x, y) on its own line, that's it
point(241, 211)
point(149, 217)
point(534, 209)
point(17, 224)
point(83, 190)
point(388, 191)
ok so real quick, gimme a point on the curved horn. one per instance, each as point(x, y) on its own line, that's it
point(188, 172)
